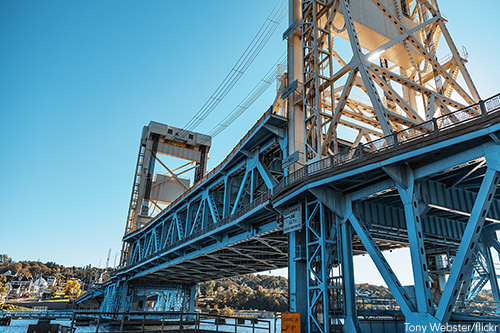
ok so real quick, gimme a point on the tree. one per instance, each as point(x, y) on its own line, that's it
point(207, 288)
point(53, 291)
point(5, 259)
point(72, 289)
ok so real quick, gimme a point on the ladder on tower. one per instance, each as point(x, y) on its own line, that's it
point(134, 198)
point(480, 277)
point(133, 203)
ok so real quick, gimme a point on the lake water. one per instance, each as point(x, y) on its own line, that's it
point(21, 326)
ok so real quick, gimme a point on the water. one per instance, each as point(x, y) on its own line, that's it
point(21, 326)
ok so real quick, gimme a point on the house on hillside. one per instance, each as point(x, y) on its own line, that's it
point(40, 283)
point(20, 285)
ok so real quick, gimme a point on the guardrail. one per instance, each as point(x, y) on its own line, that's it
point(436, 125)
point(172, 321)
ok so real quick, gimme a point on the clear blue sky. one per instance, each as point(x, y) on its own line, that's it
point(79, 79)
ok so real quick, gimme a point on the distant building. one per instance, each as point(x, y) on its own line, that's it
point(20, 285)
point(40, 283)
point(52, 280)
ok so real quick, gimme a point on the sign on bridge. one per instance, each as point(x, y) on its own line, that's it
point(290, 322)
point(292, 220)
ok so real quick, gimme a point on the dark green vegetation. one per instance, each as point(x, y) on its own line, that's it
point(262, 292)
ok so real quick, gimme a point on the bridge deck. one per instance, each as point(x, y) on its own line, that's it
point(251, 240)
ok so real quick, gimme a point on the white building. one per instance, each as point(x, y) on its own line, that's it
point(40, 283)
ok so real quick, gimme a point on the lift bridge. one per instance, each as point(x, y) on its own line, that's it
point(325, 175)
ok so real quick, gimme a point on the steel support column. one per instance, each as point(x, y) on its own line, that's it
point(317, 272)
point(351, 318)
point(190, 293)
point(463, 260)
point(297, 275)
point(406, 189)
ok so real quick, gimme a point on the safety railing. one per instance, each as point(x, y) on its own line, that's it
point(172, 321)
point(223, 323)
point(436, 125)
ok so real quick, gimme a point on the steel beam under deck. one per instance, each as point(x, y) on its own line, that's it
point(227, 252)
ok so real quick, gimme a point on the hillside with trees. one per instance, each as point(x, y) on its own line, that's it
point(262, 292)
point(35, 268)
point(246, 292)
point(70, 281)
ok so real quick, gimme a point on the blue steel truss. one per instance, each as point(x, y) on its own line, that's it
point(433, 190)
point(223, 225)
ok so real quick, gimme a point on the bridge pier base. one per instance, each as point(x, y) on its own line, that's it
point(123, 296)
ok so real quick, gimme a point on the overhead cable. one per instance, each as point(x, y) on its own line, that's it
point(256, 92)
point(257, 44)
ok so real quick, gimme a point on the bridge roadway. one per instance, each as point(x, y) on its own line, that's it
point(249, 237)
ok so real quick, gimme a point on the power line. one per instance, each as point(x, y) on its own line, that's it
point(257, 44)
point(256, 92)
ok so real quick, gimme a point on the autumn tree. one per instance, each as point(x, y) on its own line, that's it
point(3, 289)
point(72, 288)
point(207, 288)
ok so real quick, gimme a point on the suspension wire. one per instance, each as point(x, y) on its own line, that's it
point(256, 92)
point(256, 45)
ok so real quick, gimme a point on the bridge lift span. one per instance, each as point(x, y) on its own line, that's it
point(162, 189)
point(414, 163)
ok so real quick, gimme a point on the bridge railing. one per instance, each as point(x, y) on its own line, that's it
point(172, 321)
point(436, 125)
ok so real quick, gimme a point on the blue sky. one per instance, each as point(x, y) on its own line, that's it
point(79, 79)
